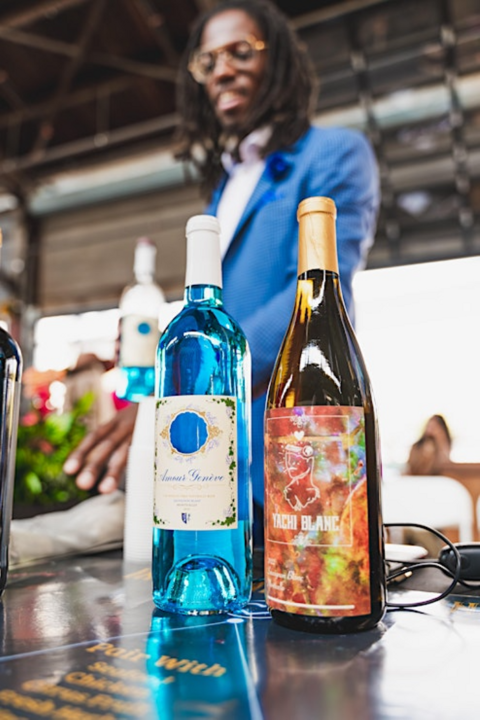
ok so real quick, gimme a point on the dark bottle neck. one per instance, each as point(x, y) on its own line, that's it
point(315, 288)
point(210, 295)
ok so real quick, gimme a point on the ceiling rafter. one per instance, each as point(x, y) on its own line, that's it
point(38, 10)
point(46, 129)
point(206, 5)
point(155, 23)
point(9, 92)
point(331, 12)
point(75, 98)
point(129, 133)
point(155, 72)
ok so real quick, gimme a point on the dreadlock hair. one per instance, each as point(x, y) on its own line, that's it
point(285, 100)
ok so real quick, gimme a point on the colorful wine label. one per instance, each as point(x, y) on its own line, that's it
point(316, 511)
point(138, 341)
point(196, 485)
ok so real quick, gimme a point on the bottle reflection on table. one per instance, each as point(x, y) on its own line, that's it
point(322, 676)
point(197, 668)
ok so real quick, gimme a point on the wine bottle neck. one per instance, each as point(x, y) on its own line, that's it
point(317, 242)
point(316, 289)
point(144, 278)
point(144, 262)
point(203, 294)
point(204, 264)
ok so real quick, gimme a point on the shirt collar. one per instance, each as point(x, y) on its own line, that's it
point(249, 149)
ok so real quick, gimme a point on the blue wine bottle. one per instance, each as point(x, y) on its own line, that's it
point(202, 547)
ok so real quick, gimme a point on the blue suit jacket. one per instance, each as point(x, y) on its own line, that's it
point(260, 267)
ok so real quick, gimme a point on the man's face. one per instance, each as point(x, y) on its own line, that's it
point(232, 87)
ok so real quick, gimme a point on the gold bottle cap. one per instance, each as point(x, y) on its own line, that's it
point(317, 245)
point(317, 204)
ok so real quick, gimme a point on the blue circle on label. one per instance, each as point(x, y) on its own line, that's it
point(188, 433)
point(143, 328)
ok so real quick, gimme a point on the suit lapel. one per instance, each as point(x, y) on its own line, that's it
point(278, 165)
point(212, 206)
point(263, 193)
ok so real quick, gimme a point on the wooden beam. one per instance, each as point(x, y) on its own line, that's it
point(46, 129)
point(155, 23)
point(39, 9)
point(133, 67)
point(339, 9)
point(68, 151)
point(206, 5)
point(77, 97)
point(9, 92)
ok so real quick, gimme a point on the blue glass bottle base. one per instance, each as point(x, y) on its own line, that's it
point(135, 383)
point(200, 585)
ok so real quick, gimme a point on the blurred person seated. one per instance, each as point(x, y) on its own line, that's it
point(428, 456)
point(431, 452)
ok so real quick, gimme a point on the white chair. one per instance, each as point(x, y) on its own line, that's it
point(433, 500)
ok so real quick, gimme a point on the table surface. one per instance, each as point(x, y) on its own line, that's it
point(81, 639)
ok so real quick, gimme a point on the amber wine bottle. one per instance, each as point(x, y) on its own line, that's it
point(324, 553)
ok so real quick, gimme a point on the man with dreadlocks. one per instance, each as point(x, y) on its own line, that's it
point(245, 97)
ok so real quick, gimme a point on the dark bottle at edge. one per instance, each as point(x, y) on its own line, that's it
point(10, 378)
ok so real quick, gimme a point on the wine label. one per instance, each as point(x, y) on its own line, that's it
point(196, 463)
point(316, 511)
point(138, 341)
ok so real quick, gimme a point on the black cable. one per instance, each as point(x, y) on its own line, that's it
point(425, 564)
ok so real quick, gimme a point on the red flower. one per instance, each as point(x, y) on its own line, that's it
point(45, 446)
point(29, 419)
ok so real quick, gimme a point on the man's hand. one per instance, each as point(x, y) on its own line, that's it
point(102, 455)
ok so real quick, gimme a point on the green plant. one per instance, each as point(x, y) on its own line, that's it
point(44, 442)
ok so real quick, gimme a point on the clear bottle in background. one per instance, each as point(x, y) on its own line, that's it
point(140, 305)
point(202, 548)
point(324, 557)
point(10, 390)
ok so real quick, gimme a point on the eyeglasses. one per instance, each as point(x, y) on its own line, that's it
point(238, 54)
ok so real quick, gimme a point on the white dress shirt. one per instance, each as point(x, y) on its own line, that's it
point(242, 180)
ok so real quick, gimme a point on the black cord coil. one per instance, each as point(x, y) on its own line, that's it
point(411, 567)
